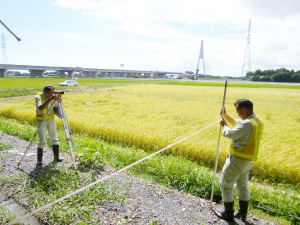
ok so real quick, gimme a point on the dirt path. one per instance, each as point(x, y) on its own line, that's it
point(145, 202)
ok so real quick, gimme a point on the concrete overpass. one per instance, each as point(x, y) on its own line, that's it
point(38, 71)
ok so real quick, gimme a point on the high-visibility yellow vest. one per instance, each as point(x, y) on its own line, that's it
point(51, 114)
point(250, 151)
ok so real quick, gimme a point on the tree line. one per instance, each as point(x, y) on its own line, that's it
point(279, 75)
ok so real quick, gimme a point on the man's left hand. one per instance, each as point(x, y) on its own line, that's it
point(54, 96)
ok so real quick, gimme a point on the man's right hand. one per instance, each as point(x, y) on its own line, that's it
point(223, 122)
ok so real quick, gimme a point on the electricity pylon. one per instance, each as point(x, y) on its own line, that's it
point(247, 54)
point(4, 56)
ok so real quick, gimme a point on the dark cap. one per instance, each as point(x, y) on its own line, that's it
point(48, 88)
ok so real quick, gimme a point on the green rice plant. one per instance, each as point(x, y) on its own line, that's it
point(10, 87)
point(232, 84)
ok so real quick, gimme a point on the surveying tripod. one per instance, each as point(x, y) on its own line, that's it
point(62, 115)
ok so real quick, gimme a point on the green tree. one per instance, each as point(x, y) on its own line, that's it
point(255, 78)
point(296, 77)
point(258, 72)
point(282, 77)
point(266, 78)
point(268, 72)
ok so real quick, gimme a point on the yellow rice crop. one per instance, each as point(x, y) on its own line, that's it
point(154, 116)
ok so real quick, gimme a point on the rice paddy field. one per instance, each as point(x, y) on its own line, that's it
point(150, 115)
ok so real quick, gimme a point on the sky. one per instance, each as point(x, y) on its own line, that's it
point(157, 35)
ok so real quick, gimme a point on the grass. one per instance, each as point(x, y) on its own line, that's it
point(10, 87)
point(4, 155)
point(241, 84)
point(278, 200)
point(3, 146)
point(5, 216)
point(53, 183)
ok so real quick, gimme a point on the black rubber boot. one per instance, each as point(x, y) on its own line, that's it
point(55, 149)
point(228, 213)
point(242, 213)
point(39, 156)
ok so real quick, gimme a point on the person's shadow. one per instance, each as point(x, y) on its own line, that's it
point(41, 175)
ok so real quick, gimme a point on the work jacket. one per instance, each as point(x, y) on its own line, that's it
point(51, 114)
point(250, 151)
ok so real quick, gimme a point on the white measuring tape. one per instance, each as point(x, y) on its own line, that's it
point(104, 178)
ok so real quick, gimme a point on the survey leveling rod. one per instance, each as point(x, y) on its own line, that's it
point(217, 158)
point(36, 133)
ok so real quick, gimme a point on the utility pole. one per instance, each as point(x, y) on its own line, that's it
point(19, 39)
point(247, 54)
point(201, 56)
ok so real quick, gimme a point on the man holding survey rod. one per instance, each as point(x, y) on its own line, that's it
point(245, 135)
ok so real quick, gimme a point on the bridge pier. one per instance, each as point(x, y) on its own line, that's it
point(103, 74)
point(70, 74)
point(61, 74)
point(34, 73)
point(2, 73)
point(111, 74)
point(90, 74)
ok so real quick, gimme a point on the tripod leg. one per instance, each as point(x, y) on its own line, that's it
point(67, 131)
point(68, 128)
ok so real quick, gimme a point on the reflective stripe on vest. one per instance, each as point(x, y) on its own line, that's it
point(51, 114)
point(250, 151)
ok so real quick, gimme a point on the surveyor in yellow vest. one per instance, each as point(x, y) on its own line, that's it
point(245, 135)
point(43, 104)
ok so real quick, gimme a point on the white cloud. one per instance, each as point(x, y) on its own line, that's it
point(71, 36)
point(170, 31)
point(146, 11)
point(275, 9)
point(77, 4)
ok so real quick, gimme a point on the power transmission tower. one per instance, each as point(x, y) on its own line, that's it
point(201, 56)
point(4, 56)
point(247, 54)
